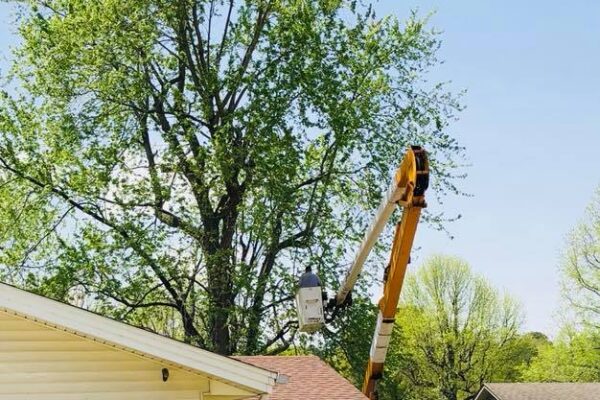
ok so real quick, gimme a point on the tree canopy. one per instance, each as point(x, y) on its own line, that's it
point(573, 357)
point(177, 162)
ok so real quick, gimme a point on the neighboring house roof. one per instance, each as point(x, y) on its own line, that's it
point(305, 378)
point(539, 391)
point(64, 351)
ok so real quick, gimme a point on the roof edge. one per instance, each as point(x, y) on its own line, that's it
point(489, 390)
point(135, 340)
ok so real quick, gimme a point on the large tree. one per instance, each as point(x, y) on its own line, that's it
point(454, 332)
point(180, 161)
point(581, 267)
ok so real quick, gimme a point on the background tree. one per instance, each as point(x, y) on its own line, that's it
point(181, 160)
point(453, 333)
point(527, 348)
point(575, 354)
point(581, 267)
point(573, 357)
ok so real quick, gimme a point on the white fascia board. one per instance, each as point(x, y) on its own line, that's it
point(485, 390)
point(135, 340)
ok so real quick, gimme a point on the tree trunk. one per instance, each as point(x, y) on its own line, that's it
point(220, 267)
point(220, 302)
point(257, 305)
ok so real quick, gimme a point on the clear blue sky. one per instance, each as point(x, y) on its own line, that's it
point(531, 129)
point(532, 133)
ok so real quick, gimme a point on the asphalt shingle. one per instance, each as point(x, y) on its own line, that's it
point(305, 378)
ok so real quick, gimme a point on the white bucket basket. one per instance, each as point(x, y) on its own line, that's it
point(310, 309)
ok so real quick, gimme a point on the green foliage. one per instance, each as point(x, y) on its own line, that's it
point(573, 357)
point(581, 267)
point(453, 332)
point(181, 161)
point(526, 350)
point(348, 340)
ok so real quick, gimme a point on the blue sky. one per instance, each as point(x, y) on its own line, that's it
point(532, 133)
point(531, 129)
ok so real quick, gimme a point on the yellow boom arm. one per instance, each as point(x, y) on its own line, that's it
point(407, 190)
point(413, 174)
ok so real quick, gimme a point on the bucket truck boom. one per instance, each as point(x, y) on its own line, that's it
point(407, 190)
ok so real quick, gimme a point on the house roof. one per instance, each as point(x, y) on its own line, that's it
point(540, 391)
point(63, 317)
point(305, 378)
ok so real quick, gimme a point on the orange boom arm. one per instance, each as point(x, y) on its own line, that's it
point(408, 191)
point(413, 175)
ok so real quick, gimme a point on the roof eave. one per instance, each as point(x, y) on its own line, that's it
point(488, 390)
point(135, 340)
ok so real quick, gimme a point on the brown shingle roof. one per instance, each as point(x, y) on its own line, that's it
point(540, 391)
point(308, 378)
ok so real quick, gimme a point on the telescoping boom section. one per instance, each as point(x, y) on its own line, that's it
point(408, 191)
